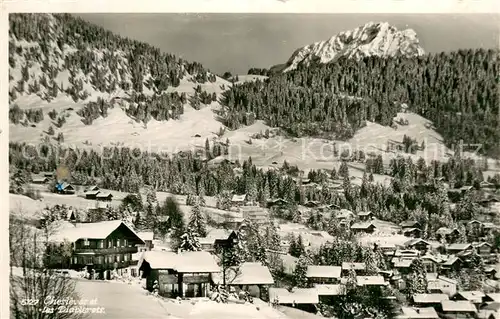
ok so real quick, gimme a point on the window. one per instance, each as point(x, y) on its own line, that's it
point(101, 243)
point(116, 258)
point(125, 243)
point(125, 257)
point(86, 242)
point(118, 243)
point(75, 260)
point(110, 243)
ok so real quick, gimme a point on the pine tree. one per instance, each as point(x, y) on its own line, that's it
point(150, 219)
point(197, 223)
point(273, 245)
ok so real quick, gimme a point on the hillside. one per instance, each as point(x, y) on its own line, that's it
point(372, 39)
point(70, 74)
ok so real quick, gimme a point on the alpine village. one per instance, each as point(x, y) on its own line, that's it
point(403, 223)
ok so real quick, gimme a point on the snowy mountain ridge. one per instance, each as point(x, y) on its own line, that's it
point(373, 39)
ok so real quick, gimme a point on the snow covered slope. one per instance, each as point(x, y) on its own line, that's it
point(372, 39)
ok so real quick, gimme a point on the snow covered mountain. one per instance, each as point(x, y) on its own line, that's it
point(372, 39)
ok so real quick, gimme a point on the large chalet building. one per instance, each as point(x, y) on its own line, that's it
point(99, 246)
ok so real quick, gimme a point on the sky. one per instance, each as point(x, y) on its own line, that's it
point(236, 42)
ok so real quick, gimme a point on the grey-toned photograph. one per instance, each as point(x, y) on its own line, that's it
point(253, 165)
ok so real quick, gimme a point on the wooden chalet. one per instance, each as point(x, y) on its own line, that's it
point(458, 248)
point(431, 263)
point(412, 232)
point(410, 224)
point(344, 214)
point(217, 237)
point(418, 244)
point(328, 291)
point(402, 264)
point(248, 276)
point(458, 309)
point(363, 227)
point(301, 298)
point(100, 246)
point(364, 281)
point(104, 197)
point(475, 297)
point(39, 179)
point(91, 194)
point(147, 237)
point(324, 274)
point(453, 263)
point(365, 216)
point(484, 249)
point(91, 188)
point(239, 200)
point(447, 234)
point(185, 274)
point(441, 285)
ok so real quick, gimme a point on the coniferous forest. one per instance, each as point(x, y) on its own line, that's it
point(457, 91)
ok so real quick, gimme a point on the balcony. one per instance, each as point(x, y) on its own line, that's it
point(106, 251)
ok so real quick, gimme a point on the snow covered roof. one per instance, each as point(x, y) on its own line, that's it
point(429, 298)
point(459, 246)
point(371, 280)
point(418, 313)
point(458, 306)
point(414, 241)
point(365, 213)
point(39, 179)
point(494, 297)
point(186, 262)
point(246, 274)
point(297, 296)
point(92, 193)
point(99, 230)
point(323, 272)
point(329, 290)
point(91, 188)
point(146, 235)
point(104, 195)
point(344, 213)
point(451, 261)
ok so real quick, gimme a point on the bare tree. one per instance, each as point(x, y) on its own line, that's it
point(34, 288)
